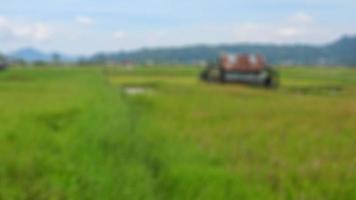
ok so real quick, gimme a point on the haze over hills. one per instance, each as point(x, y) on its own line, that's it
point(340, 52)
point(30, 55)
point(33, 55)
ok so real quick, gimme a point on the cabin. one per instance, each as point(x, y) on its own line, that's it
point(241, 68)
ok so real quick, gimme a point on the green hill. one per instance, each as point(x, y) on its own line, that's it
point(341, 52)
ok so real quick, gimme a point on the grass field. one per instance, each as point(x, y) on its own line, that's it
point(160, 133)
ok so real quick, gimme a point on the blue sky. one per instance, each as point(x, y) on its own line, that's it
point(88, 26)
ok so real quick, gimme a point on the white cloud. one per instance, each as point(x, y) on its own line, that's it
point(63, 34)
point(290, 32)
point(298, 27)
point(3, 22)
point(32, 31)
point(119, 35)
point(302, 18)
point(84, 20)
point(36, 31)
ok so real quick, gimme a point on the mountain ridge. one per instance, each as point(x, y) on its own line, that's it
point(339, 52)
point(29, 54)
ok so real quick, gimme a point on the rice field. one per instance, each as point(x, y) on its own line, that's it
point(161, 133)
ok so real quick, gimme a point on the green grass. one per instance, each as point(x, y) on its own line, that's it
point(76, 134)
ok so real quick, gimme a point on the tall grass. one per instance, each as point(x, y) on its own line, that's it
point(76, 134)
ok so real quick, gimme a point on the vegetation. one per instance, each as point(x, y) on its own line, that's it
point(160, 133)
point(340, 52)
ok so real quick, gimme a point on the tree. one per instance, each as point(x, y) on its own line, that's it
point(3, 62)
point(3, 59)
point(56, 58)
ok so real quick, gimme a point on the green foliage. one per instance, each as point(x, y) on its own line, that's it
point(340, 52)
point(78, 134)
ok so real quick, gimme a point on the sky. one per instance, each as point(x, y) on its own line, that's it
point(84, 27)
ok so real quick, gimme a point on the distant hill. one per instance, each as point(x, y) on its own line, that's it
point(29, 55)
point(341, 52)
point(33, 55)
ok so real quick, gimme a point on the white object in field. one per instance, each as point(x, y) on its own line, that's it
point(136, 90)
